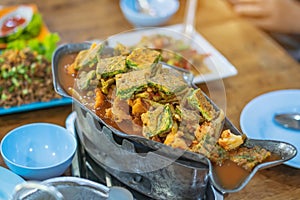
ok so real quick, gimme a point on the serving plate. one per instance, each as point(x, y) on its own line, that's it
point(218, 65)
point(27, 11)
point(257, 118)
point(8, 181)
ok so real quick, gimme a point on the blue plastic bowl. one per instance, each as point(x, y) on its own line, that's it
point(38, 151)
point(164, 10)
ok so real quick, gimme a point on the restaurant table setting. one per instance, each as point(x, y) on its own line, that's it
point(112, 125)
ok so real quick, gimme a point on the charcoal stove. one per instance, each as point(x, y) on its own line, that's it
point(84, 166)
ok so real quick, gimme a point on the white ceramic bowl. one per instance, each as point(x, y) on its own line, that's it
point(163, 9)
point(38, 151)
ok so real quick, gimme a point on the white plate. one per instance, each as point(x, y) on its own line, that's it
point(25, 12)
point(8, 182)
point(219, 66)
point(257, 119)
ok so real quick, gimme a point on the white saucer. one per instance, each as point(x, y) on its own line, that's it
point(257, 119)
point(8, 182)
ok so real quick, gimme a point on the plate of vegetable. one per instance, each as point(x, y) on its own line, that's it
point(25, 66)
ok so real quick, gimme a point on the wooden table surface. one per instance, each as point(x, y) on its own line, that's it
point(262, 65)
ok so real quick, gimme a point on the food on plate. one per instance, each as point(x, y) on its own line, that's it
point(229, 140)
point(176, 52)
point(154, 101)
point(20, 22)
point(25, 57)
point(25, 73)
point(32, 30)
point(12, 23)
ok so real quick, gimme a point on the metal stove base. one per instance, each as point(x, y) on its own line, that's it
point(84, 166)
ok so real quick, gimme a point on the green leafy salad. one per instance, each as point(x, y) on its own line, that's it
point(45, 47)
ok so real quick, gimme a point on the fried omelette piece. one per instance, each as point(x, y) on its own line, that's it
point(89, 57)
point(85, 79)
point(141, 58)
point(119, 110)
point(168, 81)
point(230, 141)
point(132, 82)
point(157, 120)
point(207, 135)
point(248, 158)
point(121, 49)
point(109, 67)
point(182, 132)
point(176, 139)
point(197, 100)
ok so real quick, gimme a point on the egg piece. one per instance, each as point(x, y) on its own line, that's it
point(230, 141)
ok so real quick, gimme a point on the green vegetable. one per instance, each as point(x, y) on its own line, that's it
point(25, 91)
point(34, 27)
point(11, 89)
point(45, 47)
point(50, 43)
point(26, 37)
point(17, 44)
point(15, 81)
point(21, 69)
point(4, 74)
point(36, 45)
point(3, 96)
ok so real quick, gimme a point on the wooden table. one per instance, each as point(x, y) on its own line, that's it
point(262, 65)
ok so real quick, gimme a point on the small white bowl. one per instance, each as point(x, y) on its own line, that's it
point(38, 151)
point(163, 9)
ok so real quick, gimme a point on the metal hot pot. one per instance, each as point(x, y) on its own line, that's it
point(160, 172)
